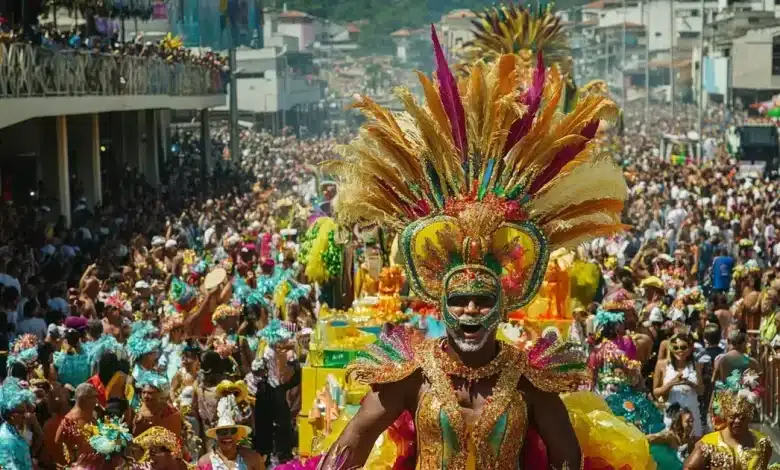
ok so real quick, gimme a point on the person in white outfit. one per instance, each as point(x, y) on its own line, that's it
point(678, 379)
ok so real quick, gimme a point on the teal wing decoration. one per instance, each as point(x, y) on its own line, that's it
point(556, 366)
point(390, 359)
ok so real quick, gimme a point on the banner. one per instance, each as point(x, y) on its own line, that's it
point(716, 75)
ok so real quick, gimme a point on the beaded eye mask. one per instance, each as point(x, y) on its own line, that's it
point(470, 282)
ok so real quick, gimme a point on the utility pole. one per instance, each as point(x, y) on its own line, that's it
point(233, 89)
point(623, 61)
point(671, 56)
point(647, 59)
point(701, 83)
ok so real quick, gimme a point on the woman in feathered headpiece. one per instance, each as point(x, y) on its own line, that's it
point(226, 340)
point(618, 376)
point(156, 410)
point(161, 449)
point(482, 182)
point(15, 400)
point(735, 445)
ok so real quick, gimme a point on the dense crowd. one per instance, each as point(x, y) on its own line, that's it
point(155, 315)
point(106, 40)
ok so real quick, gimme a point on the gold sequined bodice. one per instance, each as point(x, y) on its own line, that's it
point(446, 440)
point(721, 456)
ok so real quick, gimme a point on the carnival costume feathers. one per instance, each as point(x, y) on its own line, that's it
point(141, 340)
point(109, 436)
point(488, 173)
point(514, 29)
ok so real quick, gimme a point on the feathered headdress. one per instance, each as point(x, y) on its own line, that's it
point(109, 436)
point(24, 350)
point(181, 294)
point(231, 309)
point(102, 345)
point(739, 394)
point(484, 180)
point(274, 333)
point(150, 378)
point(140, 341)
point(158, 436)
point(514, 29)
point(241, 290)
point(13, 395)
point(238, 389)
point(118, 301)
point(605, 317)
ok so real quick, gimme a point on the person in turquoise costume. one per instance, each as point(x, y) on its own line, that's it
point(72, 364)
point(617, 375)
point(257, 313)
point(102, 345)
point(14, 403)
point(156, 409)
point(143, 350)
point(143, 347)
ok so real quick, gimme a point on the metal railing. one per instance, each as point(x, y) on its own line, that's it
point(31, 71)
point(770, 403)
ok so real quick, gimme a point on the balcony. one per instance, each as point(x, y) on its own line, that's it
point(37, 82)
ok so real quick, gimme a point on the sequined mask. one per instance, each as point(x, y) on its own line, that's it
point(472, 281)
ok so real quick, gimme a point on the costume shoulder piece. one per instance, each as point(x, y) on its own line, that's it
point(554, 365)
point(390, 359)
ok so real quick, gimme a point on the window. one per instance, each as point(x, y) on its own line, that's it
point(727, 52)
point(754, 20)
point(694, 12)
point(776, 55)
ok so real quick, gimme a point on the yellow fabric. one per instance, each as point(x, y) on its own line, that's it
point(603, 435)
point(471, 458)
point(316, 271)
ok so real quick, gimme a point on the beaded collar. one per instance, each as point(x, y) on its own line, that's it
point(454, 367)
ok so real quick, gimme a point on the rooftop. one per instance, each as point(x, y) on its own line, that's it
point(599, 4)
point(629, 25)
point(461, 13)
point(406, 32)
point(294, 14)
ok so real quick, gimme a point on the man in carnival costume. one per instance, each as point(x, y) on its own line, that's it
point(734, 446)
point(15, 402)
point(70, 435)
point(482, 183)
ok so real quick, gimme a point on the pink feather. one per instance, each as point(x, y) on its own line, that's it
point(450, 97)
point(532, 98)
point(563, 157)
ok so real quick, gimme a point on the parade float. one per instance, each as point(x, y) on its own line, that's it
point(568, 283)
point(329, 398)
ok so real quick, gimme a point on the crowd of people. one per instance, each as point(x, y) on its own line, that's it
point(151, 333)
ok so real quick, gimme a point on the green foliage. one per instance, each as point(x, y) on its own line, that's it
point(386, 16)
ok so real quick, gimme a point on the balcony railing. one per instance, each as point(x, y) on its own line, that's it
point(30, 71)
